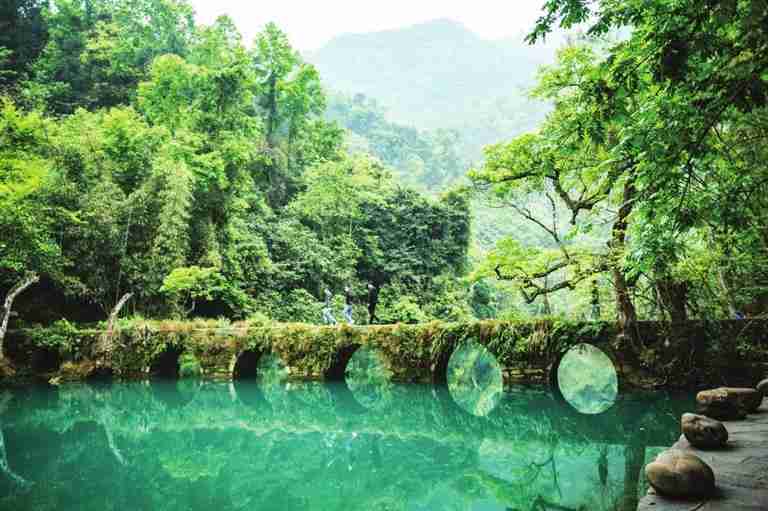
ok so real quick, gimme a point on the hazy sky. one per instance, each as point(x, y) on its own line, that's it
point(310, 23)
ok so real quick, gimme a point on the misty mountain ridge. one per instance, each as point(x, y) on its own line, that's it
point(439, 74)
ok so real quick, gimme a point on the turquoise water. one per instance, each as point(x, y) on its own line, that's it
point(187, 445)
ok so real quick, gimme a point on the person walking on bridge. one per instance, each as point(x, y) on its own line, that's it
point(373, 299)
point(348, 306)
point(328, 318)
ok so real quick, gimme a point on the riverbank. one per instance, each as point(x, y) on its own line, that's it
point(741, 470)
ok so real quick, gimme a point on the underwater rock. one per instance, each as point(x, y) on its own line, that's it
point(703, 432)
point(675, 473)
point(720, 404)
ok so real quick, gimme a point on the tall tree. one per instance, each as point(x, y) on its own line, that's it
point(289, 94)
point(23, 34)
point(28, 246)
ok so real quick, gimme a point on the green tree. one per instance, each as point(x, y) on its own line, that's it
point(98, 50)
point(290, 95)
point(28, 247)
point(23, 35)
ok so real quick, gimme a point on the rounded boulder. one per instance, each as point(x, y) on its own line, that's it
point(720, 404)
point(749, 399)
point(679, 474)
point(703, 432)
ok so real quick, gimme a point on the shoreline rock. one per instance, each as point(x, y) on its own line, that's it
point(678, 474)
point(750, 399)
point(703, 432)
point(720, 404)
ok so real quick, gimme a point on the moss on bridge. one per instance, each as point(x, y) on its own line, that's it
point(659, 354)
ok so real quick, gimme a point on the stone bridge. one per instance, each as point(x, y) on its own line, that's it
point(657, 354)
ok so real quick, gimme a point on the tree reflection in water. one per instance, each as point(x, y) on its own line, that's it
point(369, 379)
point(121, 447)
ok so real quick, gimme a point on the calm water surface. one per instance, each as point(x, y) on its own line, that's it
point(187, 445)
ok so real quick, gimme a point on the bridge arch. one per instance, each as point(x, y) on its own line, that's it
point(250, 364)
point(338, 365)
point(167, 363)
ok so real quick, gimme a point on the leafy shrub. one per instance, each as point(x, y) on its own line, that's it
point(189, 366)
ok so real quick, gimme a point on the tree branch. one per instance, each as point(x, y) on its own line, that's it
point(105, 349)
point(9, 298)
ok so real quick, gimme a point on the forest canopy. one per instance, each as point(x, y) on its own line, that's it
point(144, 153)
point(657, 145)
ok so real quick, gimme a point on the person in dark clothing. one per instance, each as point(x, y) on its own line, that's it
point(373, 299)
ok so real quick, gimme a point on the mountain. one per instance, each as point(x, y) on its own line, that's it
point(440, 75)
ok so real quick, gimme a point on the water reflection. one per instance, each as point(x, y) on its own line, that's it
point(119, 447)
point(474, 378)
point(271, 370)
point(268, 371)
point(369, 379)
point(175, 393)
point(587, 379)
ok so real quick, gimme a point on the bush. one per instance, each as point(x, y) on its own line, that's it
point(189, 366)
point(400, 309)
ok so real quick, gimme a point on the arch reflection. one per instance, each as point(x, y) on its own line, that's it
point(260, 378)
point(587, 379)
point(369, 379)
point(475, 380)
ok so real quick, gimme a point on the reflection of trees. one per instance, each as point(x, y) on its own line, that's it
point(18, 481)
point(634, 459)
point(587, 379)
point(369, 379)
point(301, 442)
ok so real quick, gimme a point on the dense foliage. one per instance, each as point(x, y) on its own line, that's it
point(657, 140)
point(428, 159)
point(144, 153)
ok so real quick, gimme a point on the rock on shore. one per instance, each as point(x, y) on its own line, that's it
point(720, 404)
point(678, 474)
point(703, 432)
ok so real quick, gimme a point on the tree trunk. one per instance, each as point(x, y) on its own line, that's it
point(272, 111)
point(595, 301)
point(627, 315)
point(546, 309)
point(9, 298)
point(726, 292)
point(106, 347)
point(673, 296)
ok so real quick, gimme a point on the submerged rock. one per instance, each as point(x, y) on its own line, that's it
point(703, 432)
point(720, 404)
point(675, 473)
